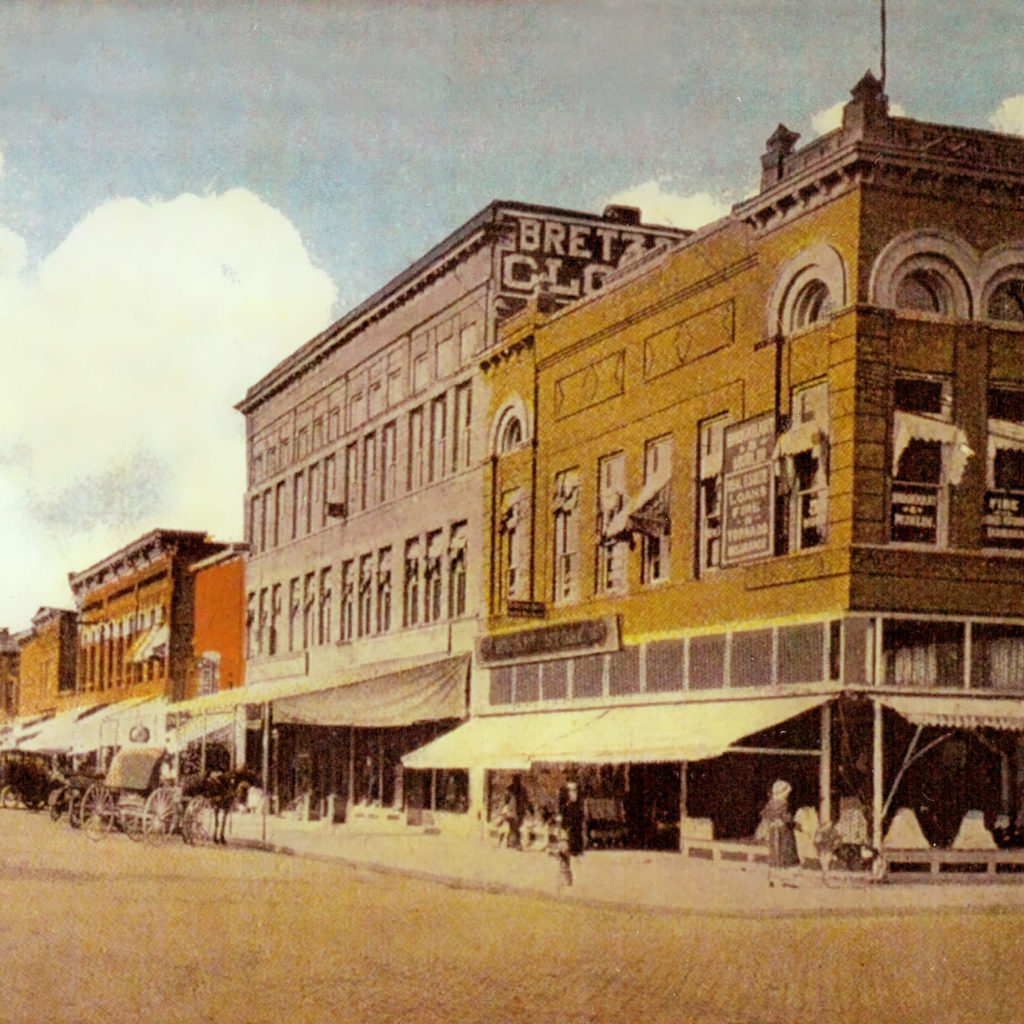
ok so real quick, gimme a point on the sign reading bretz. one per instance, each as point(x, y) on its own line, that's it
point(747, 490)
point(570, 257)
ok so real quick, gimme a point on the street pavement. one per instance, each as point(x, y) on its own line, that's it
point(621, 878)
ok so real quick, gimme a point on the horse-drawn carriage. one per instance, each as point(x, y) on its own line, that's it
point(25, 779)
point(131, 798)
point(135, 799)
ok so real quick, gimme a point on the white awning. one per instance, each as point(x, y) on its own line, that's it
point(637, 733)
point(956, 712)
point(113, 725)
point(497, 741)
point(214, 727)
point(955, 450)
point(672, 732)
point(52, 736)
point(630, 519)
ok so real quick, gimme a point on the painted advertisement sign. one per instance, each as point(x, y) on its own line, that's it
point(747, 490)
point(1004, 520)
point(569, 256)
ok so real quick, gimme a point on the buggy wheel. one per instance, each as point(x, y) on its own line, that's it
point(159, 815)
point(8, 798)
point(131, 817)
point(99, 811)
point(197, 821)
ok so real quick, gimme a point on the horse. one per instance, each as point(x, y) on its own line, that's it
point(223, 789)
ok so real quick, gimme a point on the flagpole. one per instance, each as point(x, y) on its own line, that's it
point(883, 45)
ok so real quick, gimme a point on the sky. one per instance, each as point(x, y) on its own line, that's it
point(190, 191)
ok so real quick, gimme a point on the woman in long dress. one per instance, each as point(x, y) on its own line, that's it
point(777, 822)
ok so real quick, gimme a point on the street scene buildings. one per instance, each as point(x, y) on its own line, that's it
point(664, 516)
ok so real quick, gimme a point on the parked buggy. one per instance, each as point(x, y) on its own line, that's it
point(132, 799)
point(25, 779)
point(66, 798)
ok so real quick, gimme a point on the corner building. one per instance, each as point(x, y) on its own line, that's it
point(756, 511)
point(367, 453)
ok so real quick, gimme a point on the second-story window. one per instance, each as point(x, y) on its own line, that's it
point(294, 607)
point(709, 498)
point(371, 481)
point(457, 571)
point(801, 472)
point(365, 611)
point(308, 609)
point(651, 515)
point(353, 479)
point(411, 584)
point(432, 577)
point(1004, 468)
point(384, 590)
point(461, 448)
point(323, 626)
point(273, 640)
point(511, 545)
point(929, 456)
point(566, 539)
point(348, 600)
point(613, 549)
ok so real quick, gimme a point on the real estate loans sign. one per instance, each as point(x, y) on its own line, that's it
point(747, 490)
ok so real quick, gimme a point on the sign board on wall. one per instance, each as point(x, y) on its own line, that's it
point(571, 256)
point(748, 490)
point(1004, 520)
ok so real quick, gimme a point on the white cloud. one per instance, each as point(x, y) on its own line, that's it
point(670, 210)
point(1009, 116)
point(128, 351)
point(831, 118)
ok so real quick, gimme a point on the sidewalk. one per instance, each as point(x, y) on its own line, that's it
point(625, 879)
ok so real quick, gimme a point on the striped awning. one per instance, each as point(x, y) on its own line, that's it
point(958, 712)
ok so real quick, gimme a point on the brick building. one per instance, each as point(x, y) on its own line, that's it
point(136, 620)
point(762, 498)
point(47, 674)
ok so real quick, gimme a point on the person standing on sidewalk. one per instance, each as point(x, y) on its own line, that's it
point(778, 825)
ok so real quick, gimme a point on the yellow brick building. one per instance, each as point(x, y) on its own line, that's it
point(756, 509)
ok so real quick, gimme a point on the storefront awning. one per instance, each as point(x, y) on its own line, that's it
point(113, 725)
point(956, 712)
point(213, 727)
point(620, 735)
point(428, 693)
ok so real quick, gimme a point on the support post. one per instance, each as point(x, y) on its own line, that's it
point(266, 764)
point(876, 776)
point(351, 770)
point(825, 766)
point(683, 801)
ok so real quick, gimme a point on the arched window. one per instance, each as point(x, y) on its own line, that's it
point(511, 436)
point(925, 291)
point(1007, 301)
point(812, 304)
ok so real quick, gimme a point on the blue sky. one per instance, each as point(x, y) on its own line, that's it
point(188, 191)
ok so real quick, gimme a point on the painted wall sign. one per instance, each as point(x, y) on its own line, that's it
point(1004, 520)
point(748, 490)
point(572, 257)
point(914, 513)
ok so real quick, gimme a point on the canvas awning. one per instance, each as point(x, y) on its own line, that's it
point(52, 736)
point(648, 511)
point(630, 734)
point(428, 693)
point(279, 690)
point(111, 726)
point(955, 450)
point(214, 727)
point(956, 712)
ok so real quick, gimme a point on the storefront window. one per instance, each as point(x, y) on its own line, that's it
point(923, 654)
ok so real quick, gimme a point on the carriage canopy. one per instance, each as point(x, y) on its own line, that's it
point(135, 768)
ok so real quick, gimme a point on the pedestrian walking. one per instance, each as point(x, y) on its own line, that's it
point(779, 828)
point(558, 847)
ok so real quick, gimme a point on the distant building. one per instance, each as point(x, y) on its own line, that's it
point(10, 653)
point(48, 654)
point(136, 612)
point(218, 637)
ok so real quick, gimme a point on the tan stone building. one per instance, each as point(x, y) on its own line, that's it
point(756, 510)
point(47, 671)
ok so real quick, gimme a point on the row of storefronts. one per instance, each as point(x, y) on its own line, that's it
point(671, 516)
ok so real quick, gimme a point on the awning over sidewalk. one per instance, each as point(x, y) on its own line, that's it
point(449, 700)
point(497, 741)
point(215, 727)
point(956, 712)
point(427, 693)
point(113, 725)
point(620, 735)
